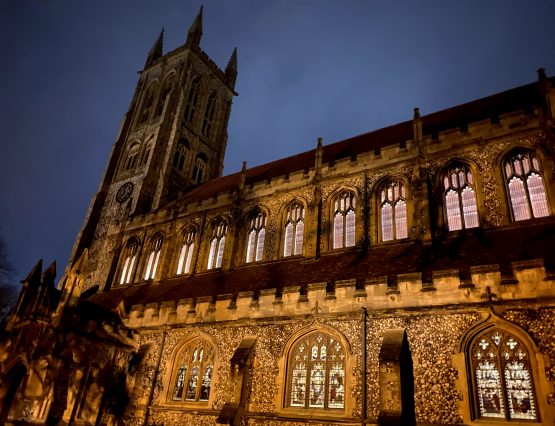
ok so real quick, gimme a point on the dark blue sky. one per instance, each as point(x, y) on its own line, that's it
point(306, 69)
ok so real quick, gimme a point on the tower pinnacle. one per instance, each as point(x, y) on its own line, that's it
point(195, 31)
point(231, 68)
point(157, 49)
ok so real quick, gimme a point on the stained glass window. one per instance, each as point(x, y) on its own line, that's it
point(317, 373)
point(129, 261)
point(294, 230)
point(153, 257)
point(502, 378)
point(344, 220)
point(192, 101)
point(459, 195)
point(255, 238)
point(193, 376)
point(393, 211)
point(186, 252)
point(523, 176)
point(217, 244)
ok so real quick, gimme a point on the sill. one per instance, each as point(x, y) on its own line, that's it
point(314, 413)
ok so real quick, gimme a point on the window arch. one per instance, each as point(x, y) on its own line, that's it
point(186, 251)
point(525, 185)
point(168, 87)
point(316, 372)
point(180, 155)
point(255, 237)
point(459, 197)
point(194, 367)
point(153, 256)
point(294, 230)
point(192, 101)
point(146, 154)
point(131, 249)
point(217, 244)
point(393, 211)
point(344, 220)
point(199, 168)
point(148, 103)
point(502, 379)
point(132, 157)
point(208, 121)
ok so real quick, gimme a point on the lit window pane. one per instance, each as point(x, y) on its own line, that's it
point(470, 210)
point(288, 244)
point(338, 230)
point(401, 220)
point(189, 258)
point(350, 229)
point(123, 278)
point(260, 246)
point(317, 379)
point(298, 386)
point(519, 202)
point(220, 252)
point(387, 222)
point(212, 253)
point(453, 211)
point(299, 232)
point(250, 246)
point(538, 198)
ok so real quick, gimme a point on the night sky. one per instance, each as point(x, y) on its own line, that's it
point(306, 69)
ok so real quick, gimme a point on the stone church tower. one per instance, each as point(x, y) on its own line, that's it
point(172, 138)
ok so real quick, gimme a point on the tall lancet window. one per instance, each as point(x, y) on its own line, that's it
point(192, 101)
point(208, 121)
point(294, 230)
point(459, 197)
point(199, 168)
point(393, 211)
point(131, 249)
point(255, 237)
point(148, 103)
point(186, 252)
point(217, 245)
point(168, 87)
point(316, 373)
point(180, 155)
point(193, 372)
point(153, 257)
point(525, 184)
point(344, 220)
point(502, 377)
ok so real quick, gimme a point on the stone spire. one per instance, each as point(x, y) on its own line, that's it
point(157, 50)
point(195, 31)
point(231, 68)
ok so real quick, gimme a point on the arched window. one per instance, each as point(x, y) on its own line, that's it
point(525, 185)
point(393, 211)
point(132, 157)
point(153, 257)
point(217, 244)
point(209, 115)
point(255, 237)
point(316, 373)
point(192, 101)
point(186, 252)
point(148, 103)
point(459, 197)
point(344, 220)
point(180, 155)
point(168, 87)
point(294, 230)
point(193, 373)
point(502, 377)
point(131, 250)
point(146, 154)
point(199, 168)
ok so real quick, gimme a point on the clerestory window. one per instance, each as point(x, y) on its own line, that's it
point(459, 196)
point(294, 230)
point(193, 373)
point(393, 211)
point(255, 238)
point(525, 186)
point(131, 249)
point(344, 220)
point(217, 245)
point(153, 257)
point(186, 252)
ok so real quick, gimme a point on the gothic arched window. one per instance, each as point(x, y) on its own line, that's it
point(344, 220)
point(316, 373)
point(148, 103)
point(153, 256)
point(393, 211)
point(217, 244)
point(208, 121)
point(255, 237)
point(192, 378)
point(192, 101)
point(132, 157)
point(146, 154)
point(459, 196)
point(525, 185)
point(294, 230)
point(131, 249)
point(180, 155)
point(199, 168)
point(168, 87)
point(186, 252)
point(502, 377)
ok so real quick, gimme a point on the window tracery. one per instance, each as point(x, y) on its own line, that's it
point(132, 157)
point(131, 249)
point(459, 196)
point(180, 155)
point(148, 103)
point(255, 237)
point(344, 220)
point(525, 186)
point(192, 101)
point(208, 121)
point(316, 373)
point(199, 168)
point(193, 375)
point(168, 87)
point(393, 211)
point(153, 257)
point(217, 244)
point(294, 230)
point(186, 252)
point(502, 377)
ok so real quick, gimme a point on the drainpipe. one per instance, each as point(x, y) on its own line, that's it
point(363, 414)
point(156, 371)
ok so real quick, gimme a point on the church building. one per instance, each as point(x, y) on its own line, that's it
point(403, 276)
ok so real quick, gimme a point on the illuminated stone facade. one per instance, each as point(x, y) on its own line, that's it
point(425, 248)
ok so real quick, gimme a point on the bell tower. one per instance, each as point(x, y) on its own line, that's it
point(173, 137)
